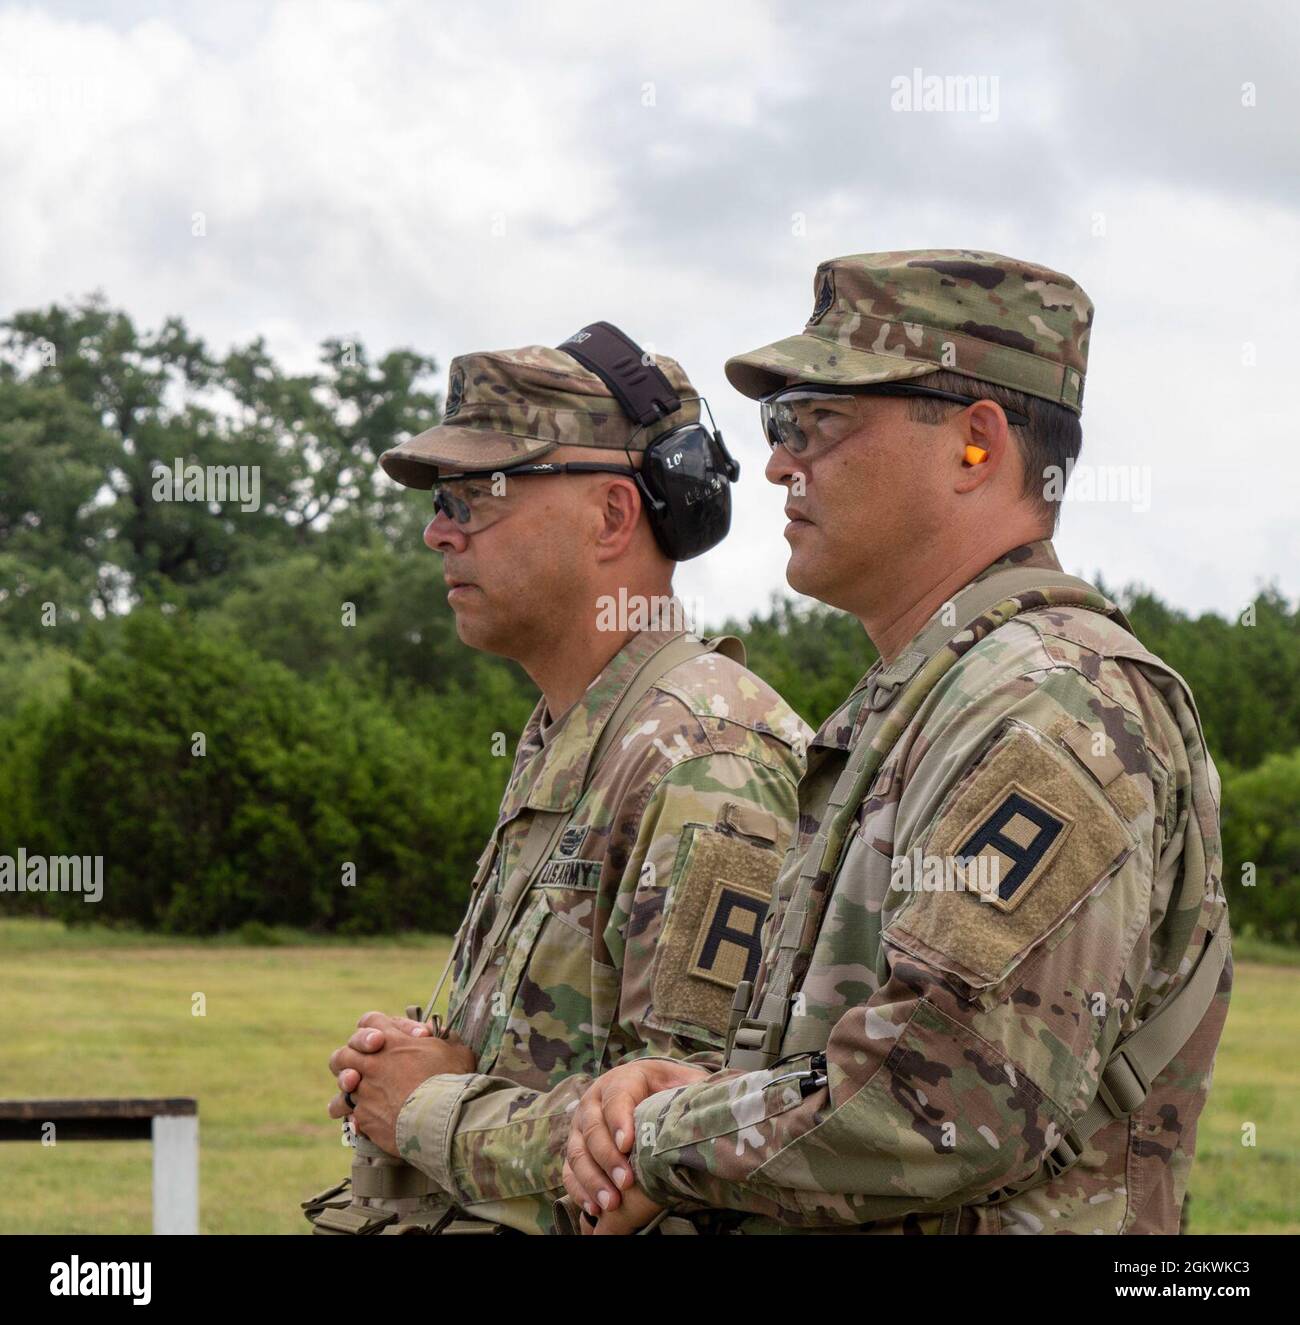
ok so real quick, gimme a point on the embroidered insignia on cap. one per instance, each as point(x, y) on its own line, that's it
point(455, 393)
point(825, 293)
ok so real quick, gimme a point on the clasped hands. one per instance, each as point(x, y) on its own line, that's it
point(388, 1057)
point(598, 1174)
point(382, 1082)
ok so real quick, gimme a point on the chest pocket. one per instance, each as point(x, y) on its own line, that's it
point(548, 1012)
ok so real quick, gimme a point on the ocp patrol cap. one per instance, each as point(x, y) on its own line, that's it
point(887, 317)
point(510, 407)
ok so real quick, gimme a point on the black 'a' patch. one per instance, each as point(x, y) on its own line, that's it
point(730, 943)
point(1021, 834)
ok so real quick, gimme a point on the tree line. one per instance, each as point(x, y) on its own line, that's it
point(264, 716)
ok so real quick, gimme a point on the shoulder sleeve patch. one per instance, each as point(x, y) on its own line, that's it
point(713, 937)
point(1025, 837)
point(1013, 839)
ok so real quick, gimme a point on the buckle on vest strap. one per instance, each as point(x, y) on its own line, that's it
point(1123, 1086)
point(886, 684)
point(739, 1006)
point(1065, 1154)
point(755, 1043)
point(336, 1195)
point(765, 1036)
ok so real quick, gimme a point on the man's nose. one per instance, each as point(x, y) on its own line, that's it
point(781, 466)
point(443, 534)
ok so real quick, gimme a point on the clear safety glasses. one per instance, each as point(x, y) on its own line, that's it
point(809, 420)
point(476, 498)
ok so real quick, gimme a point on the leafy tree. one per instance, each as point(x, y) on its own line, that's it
point(294, 782)
point(403, 632)
point(811, 654)
point(52, 457)
point(311, 644)
point(93, 411)
point(1261, 848)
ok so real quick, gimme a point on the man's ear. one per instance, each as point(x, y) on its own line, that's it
point(985, 444)
point(619, 510)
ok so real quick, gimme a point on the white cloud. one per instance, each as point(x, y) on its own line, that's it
point(453, 177)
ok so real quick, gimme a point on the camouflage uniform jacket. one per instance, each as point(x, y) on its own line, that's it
point(962, 1037)
point(634, 934)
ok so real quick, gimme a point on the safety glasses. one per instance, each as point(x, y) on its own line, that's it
point(475, 498)
point(809, 420)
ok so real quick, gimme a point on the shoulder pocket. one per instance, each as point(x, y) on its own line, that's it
point(712, 938)
point(1017, 848)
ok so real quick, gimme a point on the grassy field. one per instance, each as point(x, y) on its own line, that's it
point(94, 1013)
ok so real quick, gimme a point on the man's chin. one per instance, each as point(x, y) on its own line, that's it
point(473, 629)
point(801, 574)
point(480, 630)
point(805, 575)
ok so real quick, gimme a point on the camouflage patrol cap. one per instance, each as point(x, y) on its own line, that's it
point(885, 317)
point(509, 407)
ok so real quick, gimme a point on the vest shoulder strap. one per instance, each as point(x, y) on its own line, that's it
point(678, 650)
point(894, 695)
point(961, 624)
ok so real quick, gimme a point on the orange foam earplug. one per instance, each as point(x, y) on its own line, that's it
point(976, 455)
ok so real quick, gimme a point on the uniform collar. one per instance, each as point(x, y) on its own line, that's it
point(550, 772)
point(841, 729)
point(1038, 555)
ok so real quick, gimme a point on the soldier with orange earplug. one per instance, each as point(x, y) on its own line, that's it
point(997, 966)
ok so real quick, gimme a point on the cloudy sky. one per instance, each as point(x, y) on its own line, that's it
point(456, 177)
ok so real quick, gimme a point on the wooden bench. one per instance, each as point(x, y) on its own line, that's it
point(171, 1124)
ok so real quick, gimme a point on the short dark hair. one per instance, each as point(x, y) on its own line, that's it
point(1052, 438)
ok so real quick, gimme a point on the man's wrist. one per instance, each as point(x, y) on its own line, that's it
point(426, 1124)
point(653, 1172)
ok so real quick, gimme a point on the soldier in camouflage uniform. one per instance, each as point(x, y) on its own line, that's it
point(628, 937)
point(997, 966)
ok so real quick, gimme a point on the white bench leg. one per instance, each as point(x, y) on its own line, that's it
point(176, 1174)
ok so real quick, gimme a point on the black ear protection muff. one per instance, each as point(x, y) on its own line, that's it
point(686, 474)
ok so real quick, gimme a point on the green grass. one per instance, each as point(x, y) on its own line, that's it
point(114, 1017)
point(1252, 1188)
point(96, 1012)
